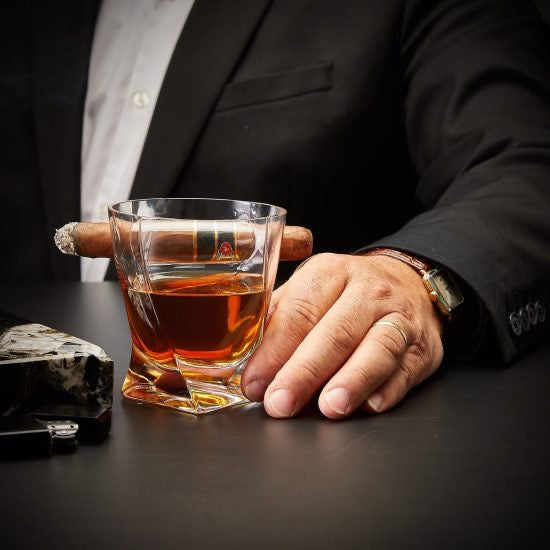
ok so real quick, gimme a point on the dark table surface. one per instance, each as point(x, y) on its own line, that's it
point(463, 462)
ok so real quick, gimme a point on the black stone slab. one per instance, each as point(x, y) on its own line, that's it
point(40, 365)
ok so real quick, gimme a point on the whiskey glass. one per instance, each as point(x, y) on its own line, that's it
point(196, 277)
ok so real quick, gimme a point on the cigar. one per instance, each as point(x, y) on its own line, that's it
point(206, 241)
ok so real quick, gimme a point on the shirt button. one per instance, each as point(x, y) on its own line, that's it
point(541, 311)
point(524, 318)
point(515, 324)
point(141, 99)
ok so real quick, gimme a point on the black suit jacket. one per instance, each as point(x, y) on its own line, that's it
point(421, 125)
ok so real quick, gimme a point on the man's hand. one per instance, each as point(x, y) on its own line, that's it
point(321, 334)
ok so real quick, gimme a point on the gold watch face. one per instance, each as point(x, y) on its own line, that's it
point(442, 283)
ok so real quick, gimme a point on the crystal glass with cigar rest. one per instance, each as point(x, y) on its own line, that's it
point(196, 277)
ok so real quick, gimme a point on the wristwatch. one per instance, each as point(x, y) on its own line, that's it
point(440, 284)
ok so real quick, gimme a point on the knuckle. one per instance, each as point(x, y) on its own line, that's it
point(279, 351)
point(318, 276)
point(364, 378)
point(328, 257)
point(419, 348)
point(325, 261)
point(301, 313)
point(380, 290)
point(408, 375)
point(310, 371)
point(341, 336)
point(391, 343)
point(432, 359)
point(426, 352)
point(405, 310)
point(331, 265)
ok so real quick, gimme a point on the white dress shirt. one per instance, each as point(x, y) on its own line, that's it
point(133, 43)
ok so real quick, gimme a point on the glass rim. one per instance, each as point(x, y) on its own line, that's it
point(115, 208)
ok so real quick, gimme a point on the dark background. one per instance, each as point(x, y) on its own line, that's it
point(544, 8)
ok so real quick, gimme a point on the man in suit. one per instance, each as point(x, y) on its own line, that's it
point(414, 126)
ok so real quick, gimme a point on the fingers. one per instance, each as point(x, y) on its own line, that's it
point(324, 350)
point(419, 363)
point(295, 308)
point(376, 359)
point(321, 331)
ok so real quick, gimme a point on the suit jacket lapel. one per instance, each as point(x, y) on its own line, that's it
point(215, 35)
point(62, 37)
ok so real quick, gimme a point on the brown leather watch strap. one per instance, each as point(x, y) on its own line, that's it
point(419, 265)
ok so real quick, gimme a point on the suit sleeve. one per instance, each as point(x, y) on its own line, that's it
point(477, 114)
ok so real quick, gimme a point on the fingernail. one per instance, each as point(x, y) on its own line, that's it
point(255, 390)
point(374, 401)
point(338, 400)
point(282, 402)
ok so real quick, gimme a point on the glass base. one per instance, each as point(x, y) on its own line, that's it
point(168, 388)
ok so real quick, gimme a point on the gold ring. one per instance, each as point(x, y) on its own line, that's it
point(396, 327)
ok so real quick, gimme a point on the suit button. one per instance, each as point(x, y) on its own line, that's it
point(532, 313)
point(524, 318)
point(541, 311)
point(515, 323)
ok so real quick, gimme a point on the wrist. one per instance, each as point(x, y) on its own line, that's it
point(440, 285)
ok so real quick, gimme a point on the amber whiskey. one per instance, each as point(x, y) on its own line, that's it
point(202, 327)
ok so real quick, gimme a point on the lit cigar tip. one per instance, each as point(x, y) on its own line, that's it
point(64, 239)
